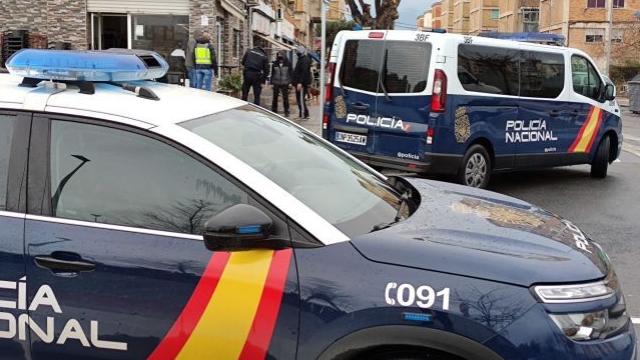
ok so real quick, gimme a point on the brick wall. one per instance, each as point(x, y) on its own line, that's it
point(67, 22)
point(23, 15)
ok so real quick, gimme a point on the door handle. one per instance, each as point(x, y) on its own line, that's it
point(360, 106)
point(64, 262)
point(554, 113)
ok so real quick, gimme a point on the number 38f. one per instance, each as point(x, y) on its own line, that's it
point(423, 296)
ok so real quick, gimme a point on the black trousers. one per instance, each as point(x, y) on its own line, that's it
point(277, 90)
point(302, 103)
point(252, 79)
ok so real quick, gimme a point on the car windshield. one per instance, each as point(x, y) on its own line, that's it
point(339, 189)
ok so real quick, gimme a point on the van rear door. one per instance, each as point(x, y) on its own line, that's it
point(355, 90)
point(403, 103)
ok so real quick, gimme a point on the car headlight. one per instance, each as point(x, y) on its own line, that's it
point(593, 325)
point(575, 293)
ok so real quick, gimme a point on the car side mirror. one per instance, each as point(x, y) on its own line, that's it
point(609, 92)
point(241, 227)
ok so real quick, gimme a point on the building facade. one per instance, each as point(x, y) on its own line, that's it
point(447, 15)
point(519, 15)
point(337, 10)
point(159, 25)
point(425, 20)
point(436, 15)
point(584, 25)
point(461, 10)
point(483, 16)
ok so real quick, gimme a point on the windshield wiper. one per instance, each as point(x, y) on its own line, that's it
point(404, 201)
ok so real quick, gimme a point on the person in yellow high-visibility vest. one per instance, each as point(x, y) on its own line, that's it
point(205, 64)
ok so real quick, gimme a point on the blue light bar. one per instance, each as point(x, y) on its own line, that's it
point(116, 65)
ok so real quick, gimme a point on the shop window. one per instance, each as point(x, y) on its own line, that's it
point(160, 33)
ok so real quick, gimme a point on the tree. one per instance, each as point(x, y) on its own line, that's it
point(333, 28)
point(386, 12)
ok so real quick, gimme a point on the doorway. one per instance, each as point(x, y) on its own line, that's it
point(109, 31)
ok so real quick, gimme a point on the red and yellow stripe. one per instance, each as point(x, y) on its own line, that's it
point(588, 131)
point(233, 310)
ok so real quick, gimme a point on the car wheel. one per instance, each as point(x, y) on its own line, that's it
point(475, 169)
point(601, 161)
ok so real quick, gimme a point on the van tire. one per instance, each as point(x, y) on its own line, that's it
point(601, 160)
point(475, 170)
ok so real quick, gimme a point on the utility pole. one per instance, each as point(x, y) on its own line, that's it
point(323, 50)
point(607, 37)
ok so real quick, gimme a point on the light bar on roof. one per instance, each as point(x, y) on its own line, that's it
point(117, 65)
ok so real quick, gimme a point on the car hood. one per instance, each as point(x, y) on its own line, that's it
point(477, 233)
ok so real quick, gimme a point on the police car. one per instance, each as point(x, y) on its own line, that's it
point(464, 106)
point(145, 220)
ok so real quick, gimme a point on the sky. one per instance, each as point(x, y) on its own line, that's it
point(409, 10)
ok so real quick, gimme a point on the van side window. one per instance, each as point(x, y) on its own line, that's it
point(7, 123)
point(586, 80)
point(541, 74)
point(406, 66)
point(487, 69)
point(361, 64)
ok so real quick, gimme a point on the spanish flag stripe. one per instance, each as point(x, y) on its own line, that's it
point(573, 146)
point(595, 132)
point(589, 131)
point(225, 324)
point(264, 323)
point(182, 328)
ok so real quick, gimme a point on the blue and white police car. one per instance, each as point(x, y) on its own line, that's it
point(465, 106)
point(144, 220)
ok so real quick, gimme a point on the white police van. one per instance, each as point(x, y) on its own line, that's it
point(466, 106)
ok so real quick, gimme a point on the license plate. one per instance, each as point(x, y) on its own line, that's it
point(351, 138)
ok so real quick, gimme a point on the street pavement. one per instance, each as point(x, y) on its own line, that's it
point(608, 210)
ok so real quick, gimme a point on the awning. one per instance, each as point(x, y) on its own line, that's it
point(276, 43)
point(232, 9)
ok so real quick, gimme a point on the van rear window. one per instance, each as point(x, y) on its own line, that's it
point(402, 67)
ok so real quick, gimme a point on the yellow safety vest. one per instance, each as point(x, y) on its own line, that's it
point(203, 54)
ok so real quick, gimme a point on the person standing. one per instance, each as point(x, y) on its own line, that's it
point(281, 79)
point(189, 54)
point(205, 63)
point(301, 81)
point(256, 68)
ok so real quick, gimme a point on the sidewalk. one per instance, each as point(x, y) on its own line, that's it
point(314, 123)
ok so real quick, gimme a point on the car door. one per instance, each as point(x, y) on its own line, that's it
point(14, 140)
point(355, 94)
point(544, 118)
point(116, 266)
point(588, 112)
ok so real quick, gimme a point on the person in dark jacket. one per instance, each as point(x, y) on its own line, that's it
point(256, 69)
point(302, 80)
point(281, 79)
point(205, 63)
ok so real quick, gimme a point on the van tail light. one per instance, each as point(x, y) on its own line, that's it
point(328, 89)
point(376, 35)
point(430, 133)
point(439, 94)
point(325, 121)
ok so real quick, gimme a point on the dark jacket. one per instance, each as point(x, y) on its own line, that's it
point(214, 60)
point(302, 72)
point(255, 60)
point(281, 73)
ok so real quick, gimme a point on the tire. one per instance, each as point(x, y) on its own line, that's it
point(601, 160)
point(475, 170)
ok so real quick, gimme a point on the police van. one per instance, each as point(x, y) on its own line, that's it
point(141, 220)
point(438, 103)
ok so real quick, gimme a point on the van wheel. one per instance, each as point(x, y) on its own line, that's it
point(475, 170)
point(601, 161)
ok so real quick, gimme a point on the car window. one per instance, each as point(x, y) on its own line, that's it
point(406, 66)
point(112, 176)
point(332, 184)
point(7, 124)
point(487, 69)
point(361, 64)
point(541, 74)
point(586, 79)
